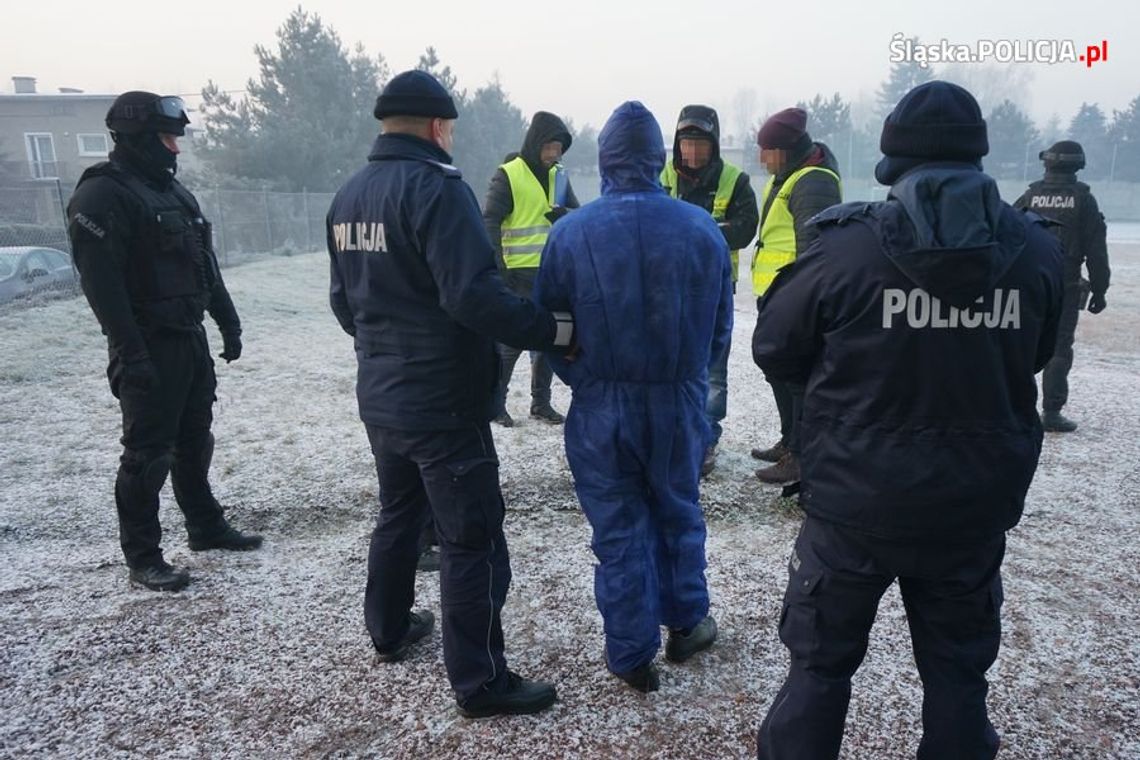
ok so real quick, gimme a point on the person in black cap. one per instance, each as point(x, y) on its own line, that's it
point(917, 325)
point(697, 174)
point(528, 193)
point(1082, 233)
point(147, 266)
point(414, 281)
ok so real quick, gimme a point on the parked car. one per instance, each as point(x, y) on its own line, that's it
point(30, 269)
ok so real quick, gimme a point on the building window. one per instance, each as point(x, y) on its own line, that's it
point(41, 155)
point(93, 144)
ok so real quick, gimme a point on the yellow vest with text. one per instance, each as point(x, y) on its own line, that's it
point(525, 229)
point(724, 187)
point(777, 244)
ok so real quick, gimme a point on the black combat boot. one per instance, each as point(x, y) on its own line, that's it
point(231, 539)
point(1055, 422)
point(546, 413)
point(515, 695)
point(681, 645)
point(645, 679)
point(429, 560)
point(160, 576)
point(504, 419)
point(771, 454)
point(419, 625)
point(787, 470)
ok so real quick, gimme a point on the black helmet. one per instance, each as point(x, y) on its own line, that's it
point(1066, 155)
point(136, 112)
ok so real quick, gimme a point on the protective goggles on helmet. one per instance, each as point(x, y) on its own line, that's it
point(168, 107)
point(1062, 158)
point(691, 125)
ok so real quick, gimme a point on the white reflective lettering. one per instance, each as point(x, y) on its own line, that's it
point(894, 302)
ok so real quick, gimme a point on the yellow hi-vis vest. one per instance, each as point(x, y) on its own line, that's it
point(724, 187)
point(525, 229)
point(777, 245)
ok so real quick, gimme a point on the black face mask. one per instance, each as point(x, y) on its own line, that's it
point(146, 149)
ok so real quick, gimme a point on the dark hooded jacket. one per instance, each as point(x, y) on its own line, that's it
point(918, 324)
point(1060, 196)
point(544, 128)
point(413, 280)
point(698, 187)
point(813, 193)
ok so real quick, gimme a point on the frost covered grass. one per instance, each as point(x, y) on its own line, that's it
point(265, 654)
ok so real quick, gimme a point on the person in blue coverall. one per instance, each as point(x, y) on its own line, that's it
point(917, 325)
point(649, 311)
point(413, 279)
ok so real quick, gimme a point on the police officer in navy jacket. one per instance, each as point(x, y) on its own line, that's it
point(917, 324)
point(414, 281)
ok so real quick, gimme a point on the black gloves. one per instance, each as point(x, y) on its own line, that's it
point(1097, 303)
point(231, 347)
point(138, 376)
point(556, 213)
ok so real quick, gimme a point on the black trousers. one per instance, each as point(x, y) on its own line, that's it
point(789, 404)
point(1055, 377)
point(953, 597)
point(541, 377)
point(166, 430)
point(453, 477)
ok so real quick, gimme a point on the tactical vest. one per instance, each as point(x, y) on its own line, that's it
point(724, 187)
point(170, 252)
point(525, 229)
point(777, 246)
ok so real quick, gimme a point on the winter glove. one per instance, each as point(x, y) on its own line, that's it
point(231, 347)
point(556, 213)
point(139, 376)
point(1097, 303)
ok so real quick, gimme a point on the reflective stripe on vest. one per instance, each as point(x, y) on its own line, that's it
point(777, 246)
point(525, 229)
point(724, 187)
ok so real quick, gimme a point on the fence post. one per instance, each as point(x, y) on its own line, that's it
point(268, 225)
point(308, 221)
point(62, 212)
point(221, 226)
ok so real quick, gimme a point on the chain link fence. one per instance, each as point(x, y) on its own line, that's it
point(248, 225)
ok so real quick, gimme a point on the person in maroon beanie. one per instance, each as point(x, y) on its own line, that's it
point(804, 181)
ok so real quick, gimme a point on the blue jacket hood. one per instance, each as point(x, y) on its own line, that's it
point(631, 151)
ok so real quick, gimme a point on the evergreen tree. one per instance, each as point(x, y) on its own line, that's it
point(904, 76)
point(1013, 142)
point(306, 121)
point(1089, 128)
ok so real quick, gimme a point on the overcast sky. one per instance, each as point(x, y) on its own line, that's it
point(579, 58)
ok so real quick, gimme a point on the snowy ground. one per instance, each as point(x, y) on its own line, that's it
point(265, 655)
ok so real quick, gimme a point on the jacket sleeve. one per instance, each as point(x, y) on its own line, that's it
point(722, 330)
point(337, 299)
point(497, 206)
point(1054, 259)
point(742, 217)
point(99, 226)
point(471, 290)
point(571, 199)
point(789, 324)
point(1093, 235)
point(1022, 203)
point(221, 307)
point(812, 194)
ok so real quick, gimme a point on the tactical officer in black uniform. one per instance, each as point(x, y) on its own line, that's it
point(414, 281)
point(147, 266)
point(1061, 197)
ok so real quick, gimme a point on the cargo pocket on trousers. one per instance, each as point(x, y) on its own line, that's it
point(473, 511)
point(798, 629)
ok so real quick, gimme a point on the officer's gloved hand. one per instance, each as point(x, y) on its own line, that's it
point(1097, 303)
point(231, 347)
point(138, 376)
point(556, 213)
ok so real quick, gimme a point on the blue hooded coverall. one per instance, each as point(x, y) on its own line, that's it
point(649, 281)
